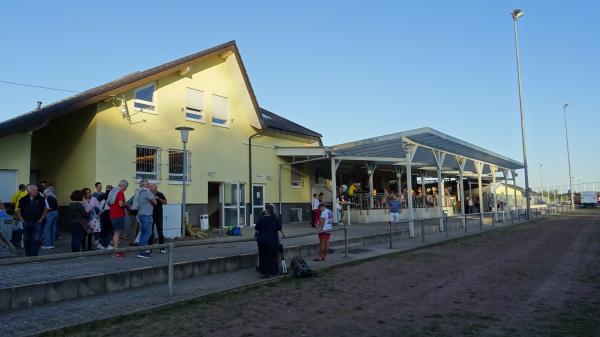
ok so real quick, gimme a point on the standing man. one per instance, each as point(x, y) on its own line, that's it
point(395, 208)
point(17, 234)
point(117, 203)
point(51, 226)
point(31, 212)
point(157, 216)
point(98, 192)
point(145, 205)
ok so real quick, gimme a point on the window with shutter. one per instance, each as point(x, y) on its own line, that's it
point(194, 106)
point(220, 113)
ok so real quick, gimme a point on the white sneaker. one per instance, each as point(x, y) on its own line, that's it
point(109, 247)
point(45, 247)
point(100, 247)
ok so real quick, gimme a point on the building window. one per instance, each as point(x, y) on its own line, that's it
point(220, 105)
point(146, 162)
point(194, 105)
point(296, 177)
point(176, 165)
point(144, 98)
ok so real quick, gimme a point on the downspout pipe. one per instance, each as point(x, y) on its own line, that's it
point(260, 132)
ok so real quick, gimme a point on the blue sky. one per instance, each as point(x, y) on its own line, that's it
point(348, 69)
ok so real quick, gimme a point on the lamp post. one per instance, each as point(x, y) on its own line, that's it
point(542, 180)
point(185, 134)
point(569, 158)
point(516, 14)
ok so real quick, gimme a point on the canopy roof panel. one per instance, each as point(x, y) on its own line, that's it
point(427, 139)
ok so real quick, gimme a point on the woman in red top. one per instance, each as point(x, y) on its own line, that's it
point(117, 213)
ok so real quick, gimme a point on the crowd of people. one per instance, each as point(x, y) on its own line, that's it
point(97, 220)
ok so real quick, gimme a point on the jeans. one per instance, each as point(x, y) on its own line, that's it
point(145, 224)
point(76, 236)
point(107, 233)
point(31, 237)
point(50, 228)
point(158, 222)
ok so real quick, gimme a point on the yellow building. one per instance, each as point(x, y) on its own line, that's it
point(125, 129)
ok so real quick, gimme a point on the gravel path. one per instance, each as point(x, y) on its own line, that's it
point(536, 279)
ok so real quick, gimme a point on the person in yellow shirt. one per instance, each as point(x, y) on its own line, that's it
point(18, 196)
point(17, 233)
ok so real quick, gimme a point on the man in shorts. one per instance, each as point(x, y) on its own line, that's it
point(118, 203)
point(394, 207)
point(324, 225)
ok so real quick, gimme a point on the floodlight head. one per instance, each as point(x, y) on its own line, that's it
point(565, 105)
point(185, 133)
point(517, 13)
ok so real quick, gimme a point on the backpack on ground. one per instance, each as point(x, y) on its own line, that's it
point(300, 268)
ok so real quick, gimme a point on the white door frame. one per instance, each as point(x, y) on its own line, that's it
point(254, 214)
point(240, 205)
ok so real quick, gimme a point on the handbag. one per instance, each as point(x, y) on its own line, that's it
point(94, 222)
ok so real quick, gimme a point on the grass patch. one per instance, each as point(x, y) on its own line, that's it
point(581, 319)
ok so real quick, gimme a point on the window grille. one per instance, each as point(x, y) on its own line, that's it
point(176, 165)
point(146, 162)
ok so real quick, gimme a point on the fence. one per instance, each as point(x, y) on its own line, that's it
point(450, 224)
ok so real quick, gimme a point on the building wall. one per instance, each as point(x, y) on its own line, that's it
point(218, 154)
point(15, 154)
point(64, 152)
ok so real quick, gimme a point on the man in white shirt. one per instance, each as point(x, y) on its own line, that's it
point(324, 225)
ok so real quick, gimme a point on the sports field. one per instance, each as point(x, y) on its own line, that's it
point(537, 279)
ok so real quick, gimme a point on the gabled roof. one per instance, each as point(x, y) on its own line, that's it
point(276, 122)
point(36, 119)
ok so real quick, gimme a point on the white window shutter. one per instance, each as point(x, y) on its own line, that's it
point(220, 105)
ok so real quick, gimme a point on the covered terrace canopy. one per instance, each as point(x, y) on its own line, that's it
point(423, 149)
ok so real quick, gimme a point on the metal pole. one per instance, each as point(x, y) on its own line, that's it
point(171, 261)
point(569, 158)
point(334, 190)
point(409, 194)
point(514, 176)
point(183, 201)
point(528, 203)
point(423, 230)
point(346, 241)
point(390, 233)
point(445, 219)
point(280, 212)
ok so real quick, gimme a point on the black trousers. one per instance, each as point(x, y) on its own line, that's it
point(267, 257)
point(158, 222)
point(87, 242)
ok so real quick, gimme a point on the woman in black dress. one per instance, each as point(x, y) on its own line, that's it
point(267, 236)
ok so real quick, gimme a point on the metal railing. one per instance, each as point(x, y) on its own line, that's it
point(423, 228)
point(171, 247)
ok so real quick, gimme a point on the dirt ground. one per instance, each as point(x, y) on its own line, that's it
point(537, 279)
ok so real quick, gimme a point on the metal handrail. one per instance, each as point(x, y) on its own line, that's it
point(189, 243)
point(172, 245)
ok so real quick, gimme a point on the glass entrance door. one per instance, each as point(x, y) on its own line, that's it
point(234, 207)
point(258, 201)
